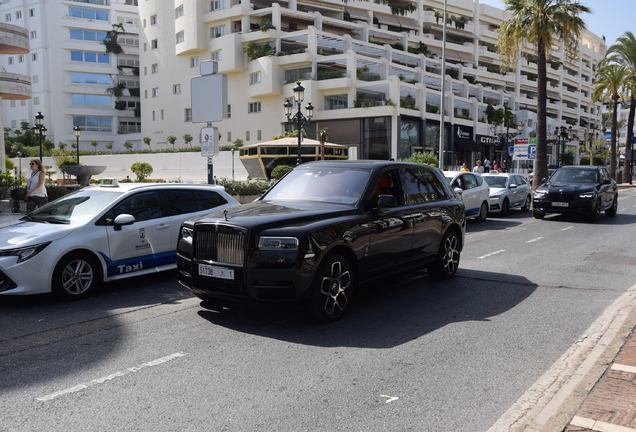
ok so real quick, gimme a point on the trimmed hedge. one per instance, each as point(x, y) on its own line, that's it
point(53, 192)
point(243, 188)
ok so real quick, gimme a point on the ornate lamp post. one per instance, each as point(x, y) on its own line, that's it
point(40, 130)
point(299, 119)
point(78, 132)
point(505, 137)
point(565, 133)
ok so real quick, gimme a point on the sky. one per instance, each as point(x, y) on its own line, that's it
point(610, 18)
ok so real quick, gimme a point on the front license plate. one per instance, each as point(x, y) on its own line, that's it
point(217, 272)
point(559, 204)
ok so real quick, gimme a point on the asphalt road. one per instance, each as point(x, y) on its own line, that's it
point(416, 354)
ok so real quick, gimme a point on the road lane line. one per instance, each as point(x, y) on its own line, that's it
point(623, 209)
point(567, 228)
point(534, 240)
point(491, 254)
point(112, 376)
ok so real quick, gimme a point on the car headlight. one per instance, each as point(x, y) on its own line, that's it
point(495, 197)
point(186, 234)
point(278, 243)
point(539, 193)
point(586, 195)
point(24, 253)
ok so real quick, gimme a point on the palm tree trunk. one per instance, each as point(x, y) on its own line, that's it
point(627, 171)
point(541, 161)
point(615, 98)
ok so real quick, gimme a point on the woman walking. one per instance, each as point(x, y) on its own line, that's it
point(36, 191)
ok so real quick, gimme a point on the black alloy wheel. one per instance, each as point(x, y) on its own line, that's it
point(447, 261)
point(77, 275)
point(614, 208)
point(595, 216)
point(332, 289)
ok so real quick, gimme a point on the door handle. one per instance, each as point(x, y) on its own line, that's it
point(162, 227)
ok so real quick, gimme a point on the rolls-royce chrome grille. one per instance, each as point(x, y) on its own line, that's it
point(220, 247)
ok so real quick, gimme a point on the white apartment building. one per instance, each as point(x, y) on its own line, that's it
point(373, 77)
point(71, 72)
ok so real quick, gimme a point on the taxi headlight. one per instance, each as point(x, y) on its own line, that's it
point(24, 253)
point(495, 197)
point(278, 243)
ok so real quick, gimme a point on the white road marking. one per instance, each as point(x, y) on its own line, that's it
point(102, 380)
point(491, 254)
point(390, 398)
point(566, 228)
point(534, 240)
point(624, 368)
point(623, 209)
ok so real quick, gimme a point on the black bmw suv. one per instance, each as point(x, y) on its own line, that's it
point(321, 232)
point(587, 190)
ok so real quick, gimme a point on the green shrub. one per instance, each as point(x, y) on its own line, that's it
point(280, 171)
point(243, 188)
point(423, 158)
point(142, 169)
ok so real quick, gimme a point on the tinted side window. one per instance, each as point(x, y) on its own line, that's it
point(470, 181)
point(143, 206)
point(438, 185)
point(181, 201)
point(478, 179)
point(415, 187)
point(209, 199)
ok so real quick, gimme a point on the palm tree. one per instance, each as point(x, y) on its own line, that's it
point(624, 52)
point(543, 23)
point(323, 135)
point(608, 85)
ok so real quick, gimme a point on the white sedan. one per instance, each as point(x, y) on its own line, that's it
point(100, 233)
point(508, 191)
point(473, 192)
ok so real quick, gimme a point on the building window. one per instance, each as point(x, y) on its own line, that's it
point(217, 4)
point(93, 123)
point(229, 137)
point(254, 107)
point(255, 78)
point(7, 17)
point(20, 58)
point(92, 100)
point(94, 14)
point(90, 57)
point(10, 60)
point(153, 116)
point(154, 44)
point(153, 20)
point(229, 111)
point(194, 62)
point(33, 34)
point(155, 68)
point(145, 94)
point(161, 114)
point(176, 89)
point(180, 36)
point(247, 135)
point(258, 135)
point(178, 12)
point(188, 114)
point(144, 23)
point(217, 56)
point(155, 92)
point(145, 70)
point(18, 14)
point(145, 46)
point(217, 31)
point(34, 57)
point(88, 35)
point(90, 78)
point(31, 12)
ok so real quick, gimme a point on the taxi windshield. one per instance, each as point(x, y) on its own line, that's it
point(74, 208)
point(322, 184)
point(495, 182)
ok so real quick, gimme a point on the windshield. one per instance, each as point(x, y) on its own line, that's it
point(334, 185)
point(75, 208)
point(495, 182)
point(575, 176)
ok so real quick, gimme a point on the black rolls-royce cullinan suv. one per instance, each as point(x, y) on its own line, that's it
point(322, 231)
point(587, 190)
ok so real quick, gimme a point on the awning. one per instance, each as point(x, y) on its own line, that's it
point(358, 14)
point(409, 23)
point(467, 144)
point(387, 19)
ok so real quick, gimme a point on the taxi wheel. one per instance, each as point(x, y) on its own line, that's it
point(332, 289)
point(447, 261)
point(526, 206)
point(505, 207)
point(77, 275)
point(483, 212)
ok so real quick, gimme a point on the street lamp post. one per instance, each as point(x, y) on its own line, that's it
point(233, 163)
point(507, 135)
point(40, 130)
point(299, 119)
point(561, 137)
point(78, 132)
point(20, 165)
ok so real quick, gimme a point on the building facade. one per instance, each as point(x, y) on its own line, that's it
point(75, 82)
point(371, 71)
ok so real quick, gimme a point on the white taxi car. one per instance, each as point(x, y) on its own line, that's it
point(474, 192)
point(508, 191)
point(100, 233)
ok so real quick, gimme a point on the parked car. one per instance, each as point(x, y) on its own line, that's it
point(323, 231)
point(550, 172)
point(100, 233)
point(587, 190)
point(473, 191)
point(508, 191)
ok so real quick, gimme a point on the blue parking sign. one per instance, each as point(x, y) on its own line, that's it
point(532, 151)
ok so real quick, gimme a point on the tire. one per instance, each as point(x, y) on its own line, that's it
point(595, 216)
point(505, 207)
point(538, 214)
point(527, 204)
point(66, 283)
point(15, 208)
point(447, 261)
point(332, 290)
point(483, 212)
point(614, 208)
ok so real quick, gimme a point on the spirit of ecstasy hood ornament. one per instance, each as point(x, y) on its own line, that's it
point(225, 214)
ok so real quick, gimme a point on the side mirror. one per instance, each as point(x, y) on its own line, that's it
point(512, 186)
point(123, 219)
point(385, 201)
point(459, 191)
point(544, 179)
